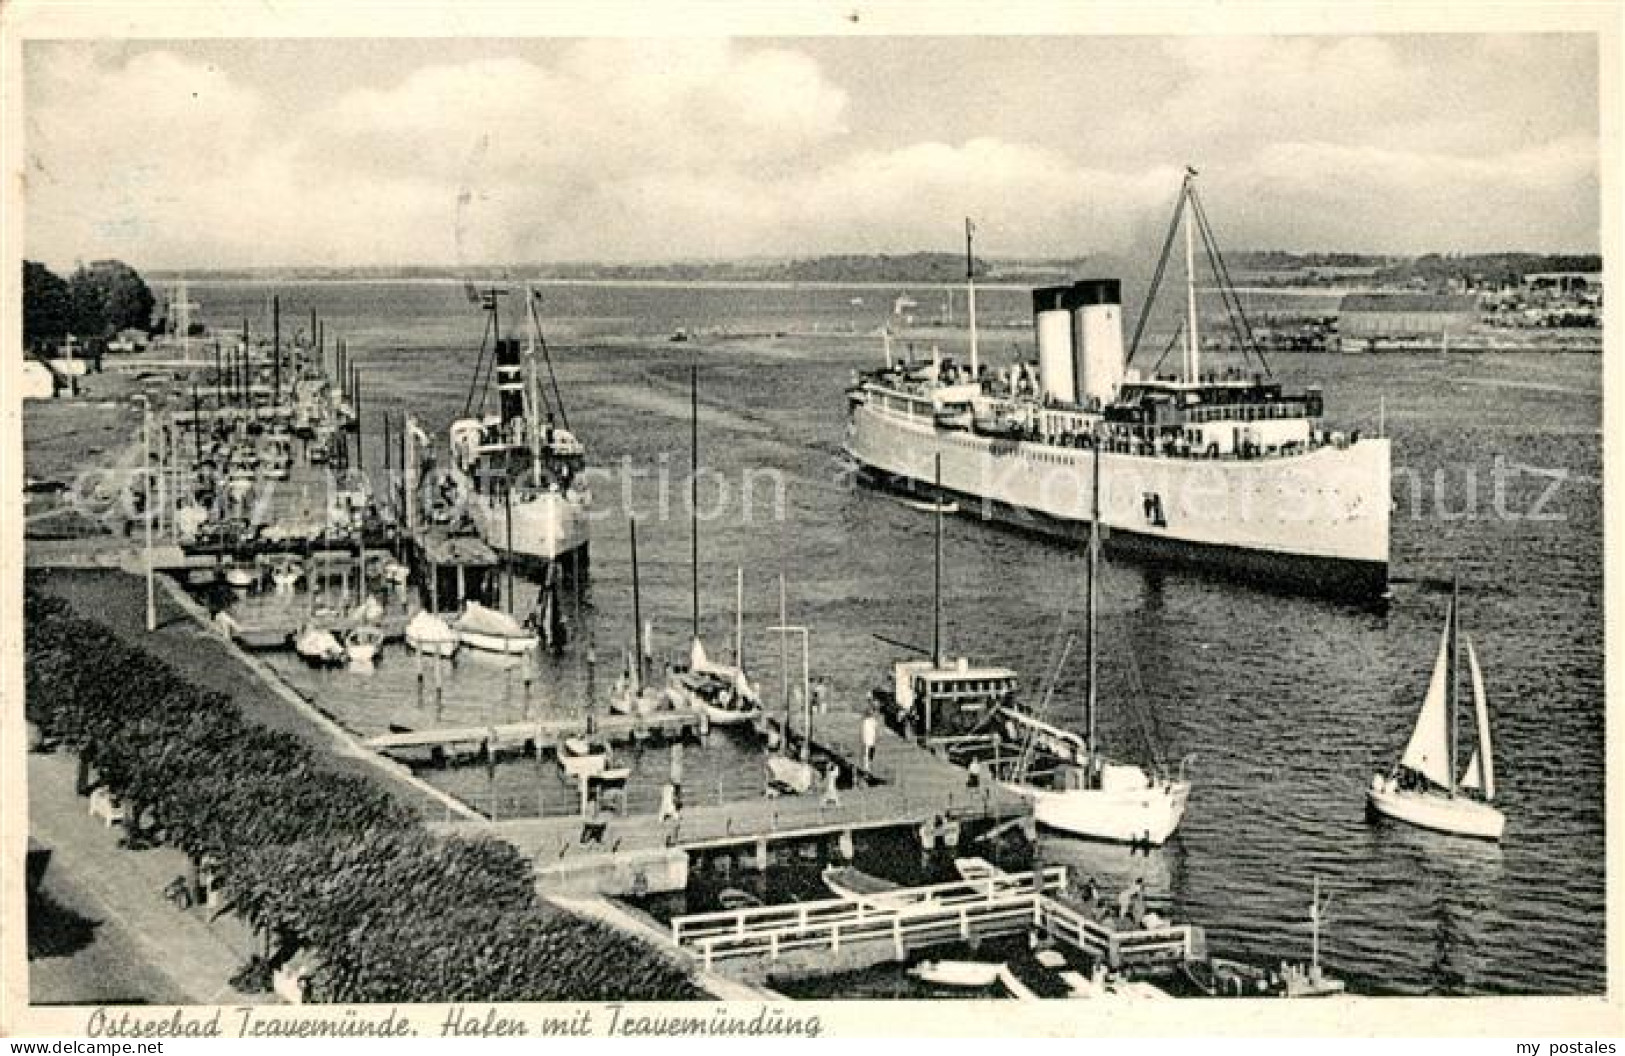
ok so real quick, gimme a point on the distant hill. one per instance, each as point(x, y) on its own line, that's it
point(1269, 267)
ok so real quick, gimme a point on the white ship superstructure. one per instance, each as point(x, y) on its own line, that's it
point(1225, 469)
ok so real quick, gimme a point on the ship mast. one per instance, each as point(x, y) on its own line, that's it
point(694, 488)
point(533, 400)
point(970, 297)
point(637, 610)
point(1193, 340)
point(936, 578)
point(1450, 685)
point(1089, 641)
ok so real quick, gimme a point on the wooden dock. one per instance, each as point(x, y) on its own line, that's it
point(883, 927)
point(609, 852)
point(908, 918)
point(541, 733)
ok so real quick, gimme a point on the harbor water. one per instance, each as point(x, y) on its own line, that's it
point(1284, 705)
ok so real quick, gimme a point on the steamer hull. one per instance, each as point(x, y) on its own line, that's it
point(546, 527)
point(1315, 521)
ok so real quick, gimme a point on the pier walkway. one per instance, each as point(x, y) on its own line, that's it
point(540, 733)
point(614, 853)
point(607, 852)
point(887, 925)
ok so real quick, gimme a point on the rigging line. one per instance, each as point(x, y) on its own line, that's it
point(1148, 727)
point(1029, 743)
point(1172, 341)
point(547, 358)
point(1243, 339)
point(1058, 647)
point(1227, 284)
point(1138, 711)
point(1156, 279)
point(474, 381)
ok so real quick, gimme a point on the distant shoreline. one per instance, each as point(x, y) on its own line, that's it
point(675, 284)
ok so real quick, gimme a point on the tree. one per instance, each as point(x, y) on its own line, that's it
point(108, 296)
point(46, 305)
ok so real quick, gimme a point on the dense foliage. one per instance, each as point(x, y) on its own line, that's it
point(1484, 270)
point(96, 302)
point(312, 858)
point(47, 312)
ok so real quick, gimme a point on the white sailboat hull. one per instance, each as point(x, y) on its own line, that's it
point(511, 645)
point(1455, 815)
point(442, 647)
point(1139, 815)
point(545, 527)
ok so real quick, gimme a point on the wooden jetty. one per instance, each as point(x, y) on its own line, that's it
point(851, 933)
point(540, 733)
point(608, 852)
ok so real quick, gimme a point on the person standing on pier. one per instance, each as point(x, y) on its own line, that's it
point(677, 773)
point(869, 732)
point(668, 804)
point(832, 795)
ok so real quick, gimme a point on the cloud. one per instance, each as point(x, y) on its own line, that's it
point(621, 149)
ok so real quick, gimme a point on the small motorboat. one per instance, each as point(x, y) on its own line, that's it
point(430, 635)
point(1104, 984)
point(318, 647)
point(967, 974)
point(361, 645)
point(624, 701)
point(267, 637)
point(492, 631)
point(242, 576)
point(369, 611)
point(790, 776)
point(734, 898)
point(849, 882)
point(932, 505)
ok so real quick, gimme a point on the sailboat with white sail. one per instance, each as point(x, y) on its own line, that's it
point(1088, 794)
point(1423, 789)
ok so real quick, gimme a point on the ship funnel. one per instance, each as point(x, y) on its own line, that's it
point(510, 379)
point(1097, 338)
point(1052, 318)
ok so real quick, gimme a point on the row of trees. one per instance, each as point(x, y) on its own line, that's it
point(94, 303)
point(312, 858)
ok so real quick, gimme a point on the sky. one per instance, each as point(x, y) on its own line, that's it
point(220, 153)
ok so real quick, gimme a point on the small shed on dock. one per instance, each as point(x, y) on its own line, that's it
point(454, 568)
